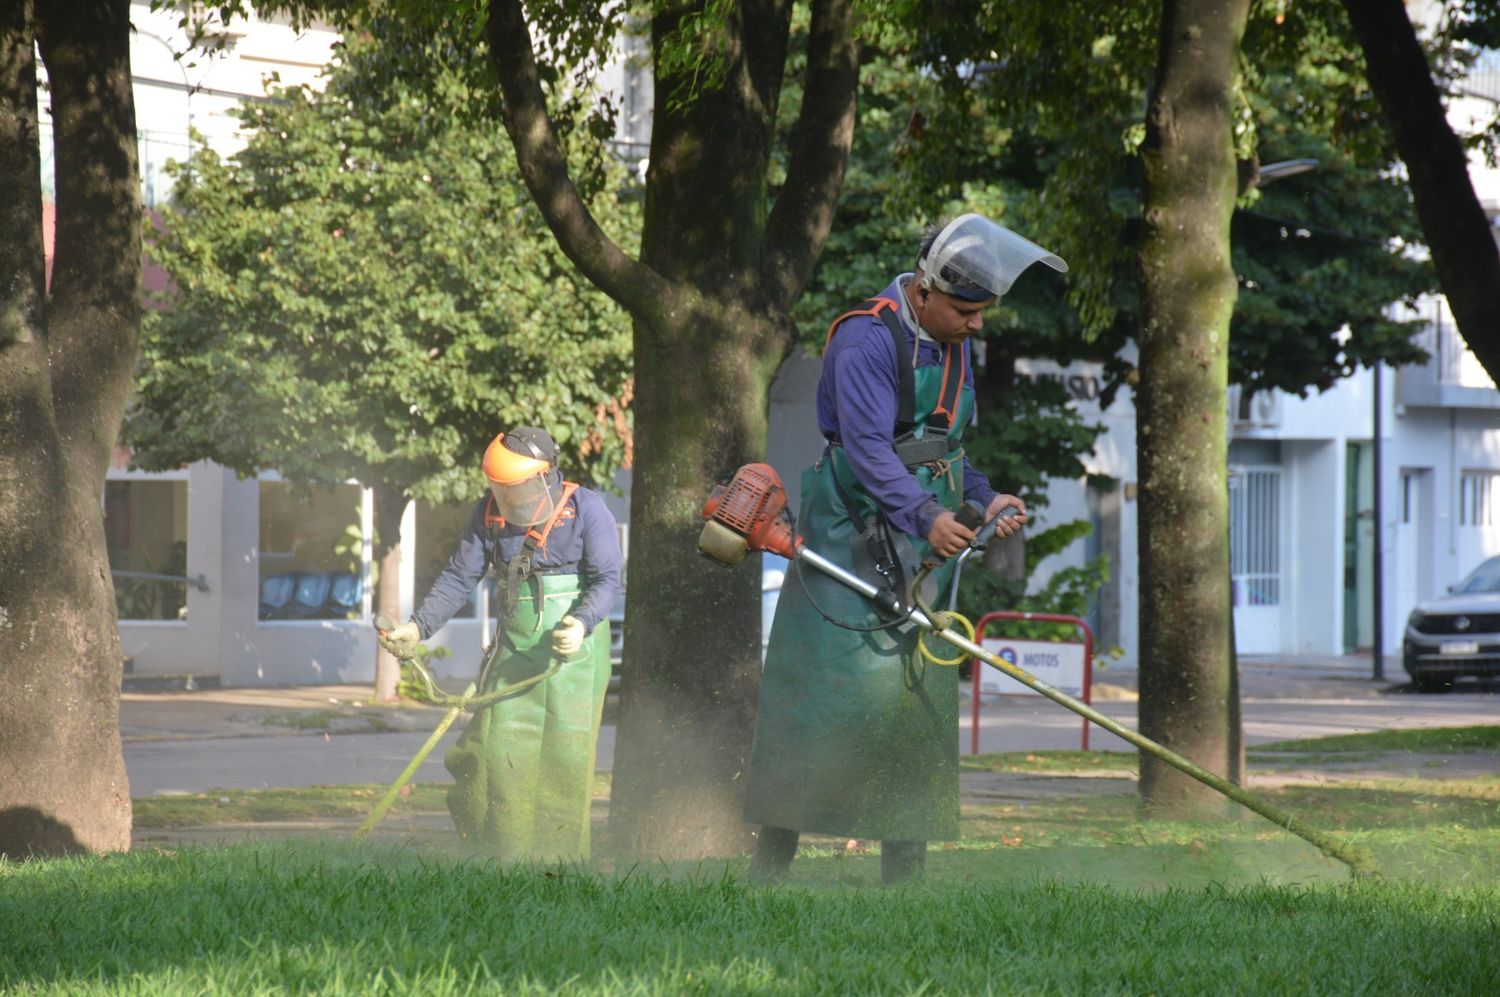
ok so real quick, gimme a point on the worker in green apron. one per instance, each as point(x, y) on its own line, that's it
point(856, 734)
point(523, 768)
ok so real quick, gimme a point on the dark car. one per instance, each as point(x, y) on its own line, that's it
point(1456, 634)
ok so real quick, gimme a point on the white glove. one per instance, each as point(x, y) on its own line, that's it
point(567, 637)
point(406, 633)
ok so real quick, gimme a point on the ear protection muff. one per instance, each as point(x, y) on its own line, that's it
point(536, 452)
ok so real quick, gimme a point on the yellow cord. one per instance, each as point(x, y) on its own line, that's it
point(952, 618)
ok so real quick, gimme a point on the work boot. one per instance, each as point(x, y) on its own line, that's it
point(774, 849)
point(902, 862)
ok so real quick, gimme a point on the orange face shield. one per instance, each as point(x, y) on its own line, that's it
point(525, 503)
point(519, 481)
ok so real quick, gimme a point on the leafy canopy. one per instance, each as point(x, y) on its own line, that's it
point(366, 291)
point(1040, 115)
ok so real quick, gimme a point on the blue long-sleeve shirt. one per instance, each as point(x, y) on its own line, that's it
point(857, 406)
point(583, 535)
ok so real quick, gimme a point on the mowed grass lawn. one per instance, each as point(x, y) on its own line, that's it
point(1067, 893)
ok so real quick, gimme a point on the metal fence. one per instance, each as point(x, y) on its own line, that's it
point(1255, 536)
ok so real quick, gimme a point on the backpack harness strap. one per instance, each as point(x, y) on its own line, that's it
point(912, 450)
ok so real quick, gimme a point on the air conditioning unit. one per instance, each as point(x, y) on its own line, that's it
point(1265, 409)
point(1255, 409)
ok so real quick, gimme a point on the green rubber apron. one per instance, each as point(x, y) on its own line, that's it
point(856, 734)
point(523, 769)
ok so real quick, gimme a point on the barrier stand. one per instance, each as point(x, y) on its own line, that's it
point(1085, 685)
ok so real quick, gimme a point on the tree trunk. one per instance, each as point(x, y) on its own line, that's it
point(718, 270)
point(692, 650)
point(1188, 293)
point(390, 504)
point(687, 700)
point(65, 366)
point(1463, 245)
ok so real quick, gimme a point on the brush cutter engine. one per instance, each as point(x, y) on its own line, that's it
point(748, 514)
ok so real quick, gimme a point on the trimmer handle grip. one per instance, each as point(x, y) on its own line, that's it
point(384, 623)
point(986, 533)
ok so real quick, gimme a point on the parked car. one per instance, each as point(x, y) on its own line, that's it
point(1456, 634)
point(772, 574)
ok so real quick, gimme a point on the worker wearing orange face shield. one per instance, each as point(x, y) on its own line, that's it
point(523, 769)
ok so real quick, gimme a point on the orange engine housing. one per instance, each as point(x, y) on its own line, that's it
point(753, 505)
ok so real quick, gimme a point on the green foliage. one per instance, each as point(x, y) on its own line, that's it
point(1446, 740)
point(367, 292)
point(1320, 250)
point(1040, 115)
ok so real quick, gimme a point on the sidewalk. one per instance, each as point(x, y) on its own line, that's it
point(179, 740)
point(211, 712)
point(1327, 676)
point(148, 714)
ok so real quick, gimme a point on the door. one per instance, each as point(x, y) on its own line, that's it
point(1255, 532)
point(1359, 548)
point(1410, 568)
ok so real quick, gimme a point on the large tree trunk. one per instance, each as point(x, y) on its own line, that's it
point(718, 270)
point(692, 655)
point(1188, 292)
point(65, 367)
point(1457, 231)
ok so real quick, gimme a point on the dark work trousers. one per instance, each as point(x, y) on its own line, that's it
point(900, 861)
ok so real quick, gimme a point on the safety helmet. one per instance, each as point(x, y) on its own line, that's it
point(522, 453)
point(518, 466)
point(976, 259)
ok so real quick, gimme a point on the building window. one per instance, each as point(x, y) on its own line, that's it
point(1255, 537)
point(145, 532)
point(438, 530)
point(311, 552)
point(1476, 498)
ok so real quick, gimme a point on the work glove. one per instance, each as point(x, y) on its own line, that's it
point(406, 633)
point(567, 637)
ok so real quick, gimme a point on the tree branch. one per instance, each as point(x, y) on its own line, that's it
point(21, 256)
point(803, 213)
point(28, 430)
point(545, 170)
point(1463, 246)
point(93, 321)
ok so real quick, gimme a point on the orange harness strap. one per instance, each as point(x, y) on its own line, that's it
point(538, 539)
point(873, 306)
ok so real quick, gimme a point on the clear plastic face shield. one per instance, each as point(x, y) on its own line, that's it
point(975, 259)
point(525, 503)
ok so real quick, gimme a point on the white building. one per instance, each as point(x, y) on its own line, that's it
point(278, 587)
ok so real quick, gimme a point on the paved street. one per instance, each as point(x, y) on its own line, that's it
point(221, 739)
point(1028, 723)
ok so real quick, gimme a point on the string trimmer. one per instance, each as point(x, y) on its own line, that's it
point(750, 514)
point(428, 692)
